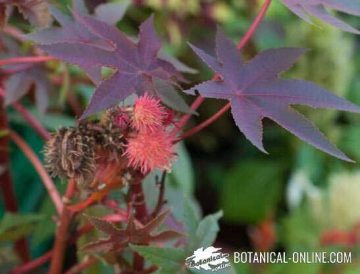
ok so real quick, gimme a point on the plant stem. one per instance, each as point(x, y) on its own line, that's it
point(205, 123)
point(78, 268)
point(246, 38)
point(250, 32)
point(47, 181)
point(25, 59)
point(183, 121)
point(33, 122)
point(32, 264)
point(6, 185)
point(160, 201)
point(62, 232)
point(141, 214)
point(137, 198)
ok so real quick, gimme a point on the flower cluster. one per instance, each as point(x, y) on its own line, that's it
point(151, 146)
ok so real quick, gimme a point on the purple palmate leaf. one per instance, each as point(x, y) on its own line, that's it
point(22, 77)
point(255, 92)
point(317, 8)
point(18, 84)
point(135, 64)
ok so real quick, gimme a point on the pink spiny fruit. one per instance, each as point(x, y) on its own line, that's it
point(148, 114)
point(151, 149)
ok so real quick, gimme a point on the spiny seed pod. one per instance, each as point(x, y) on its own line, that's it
point(69, 153)
point(75, 152)
point(112, 139)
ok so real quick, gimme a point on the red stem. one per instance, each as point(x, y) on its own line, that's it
point(62, 233)
point(183, 121)
point(33, 122)
point(137, 196)
point(6, 185)
point(47, 181)
point(244, 40)
point(205, 123)
point(141, 214)
point(33, 264)
point(248, 35)
point(26, 59)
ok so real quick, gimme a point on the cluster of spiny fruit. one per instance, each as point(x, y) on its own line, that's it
point(125, 140)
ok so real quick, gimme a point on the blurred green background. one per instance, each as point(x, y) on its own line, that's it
point(289, 200)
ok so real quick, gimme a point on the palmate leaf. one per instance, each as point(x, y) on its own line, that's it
point(136, 65)
point(169, 260)
point(255, 92)
point(24, 77)
point(317, 8)
point(18, 84)
point(134, 233)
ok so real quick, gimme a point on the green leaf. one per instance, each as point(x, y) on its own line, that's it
point(169, 260)
point(182, 174)
point(53, 121)
point(208, 229)
point(251, 191)
point(14, 226)
point(191, 220)
point(178, 202)
point(170, 97)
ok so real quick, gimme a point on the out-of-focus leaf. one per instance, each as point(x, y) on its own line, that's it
point(23, 76)
point(19, 84)
point(14, 226)
point(182, 174)
point(176, 63)
point(207, 230)
point(170, 97)
point(54, 121)
point(251, 191)
point(200, 233)
point(170, 260)
point(317, 8)
point(36, 12)
point(111, 12)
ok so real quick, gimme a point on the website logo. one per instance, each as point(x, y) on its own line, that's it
point(209, 258)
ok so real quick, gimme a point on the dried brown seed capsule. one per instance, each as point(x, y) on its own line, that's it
point(73, 152)
point(70, 154)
